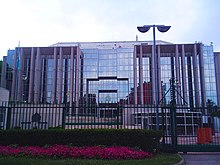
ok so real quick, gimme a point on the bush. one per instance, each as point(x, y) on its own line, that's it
point(143, 139)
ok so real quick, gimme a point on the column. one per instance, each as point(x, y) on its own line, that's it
point(60, 83)
point(54, 84)
point(77, 78)
point(153, 77)
point(183, 68)
point(135, 73)
point(159, 75)
point(190, 81)
point(4, 70)
point(177, 74)
point(71, 76)
point(217, 74)
point(20, 76)
point(141, 92)
point(14, 78)
point(195, 71)
point(37, 77)
point(31, 83)
point(202, 78)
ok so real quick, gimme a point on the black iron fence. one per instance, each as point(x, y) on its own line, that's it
point(44, 116)
point(191, 129)
point(181, 125)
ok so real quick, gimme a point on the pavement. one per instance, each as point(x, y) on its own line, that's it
point(201, 158)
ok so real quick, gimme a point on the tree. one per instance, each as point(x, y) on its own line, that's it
point(210, 103)
point(212, 108)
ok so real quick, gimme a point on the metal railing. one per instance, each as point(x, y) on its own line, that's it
point(180, 129)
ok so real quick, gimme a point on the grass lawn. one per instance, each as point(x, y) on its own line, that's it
point(161, 159)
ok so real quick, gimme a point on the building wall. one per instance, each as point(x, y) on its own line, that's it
point(46, 74)
point(6, 74)
point(188, 64)
point(120, 72)
point(4, 96)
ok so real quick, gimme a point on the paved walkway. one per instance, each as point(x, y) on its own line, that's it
point(202, 158)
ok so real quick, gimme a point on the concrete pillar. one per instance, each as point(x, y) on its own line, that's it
point(159, 75)
point(190, 81)
point(177, 74)
point(183, 69)
point(78, 54)
point(14, 78)
point(141, 92)
point(135, 73)
point(37, 77)
point(217, 73)
point(3, 74)
point(195, 72)
point(20, 76)
point(43, 86)
point(71, 76)
point(54, 84)
point(202, 78)
point(153, 77)
point(31, 82)
point(60, 83)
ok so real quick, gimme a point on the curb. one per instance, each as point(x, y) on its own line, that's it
point(181, 162)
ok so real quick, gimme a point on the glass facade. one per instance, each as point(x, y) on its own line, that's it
point(118, 74)
point(165, 77)
point(106, 74)
point(49, 79)
point(209, 73)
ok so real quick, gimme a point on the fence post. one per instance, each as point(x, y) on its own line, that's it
point(118, 108)
point(173, 126)
point(8, 119)
point(173, 114)
point(163, 129)
point(64, 116)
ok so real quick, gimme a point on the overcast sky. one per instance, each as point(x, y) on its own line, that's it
point(45, 22)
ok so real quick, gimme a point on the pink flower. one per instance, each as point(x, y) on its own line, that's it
point(64, 151)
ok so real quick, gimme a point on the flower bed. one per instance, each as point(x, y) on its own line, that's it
point(64, 151)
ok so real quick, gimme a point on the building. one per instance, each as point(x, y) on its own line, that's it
point(10, 58)
point(114, 72)
point(6, 70)
point(95, 77)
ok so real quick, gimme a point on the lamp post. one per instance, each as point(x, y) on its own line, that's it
point(163, 29)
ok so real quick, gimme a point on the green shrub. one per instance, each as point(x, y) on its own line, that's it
point(56, 128)
point(17, 128)
point(143, 139)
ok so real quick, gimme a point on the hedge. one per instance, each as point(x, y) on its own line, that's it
point(143, 139)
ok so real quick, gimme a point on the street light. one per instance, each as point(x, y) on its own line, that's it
point(163, 29)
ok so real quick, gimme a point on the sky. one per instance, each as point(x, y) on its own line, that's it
point(45, 22)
